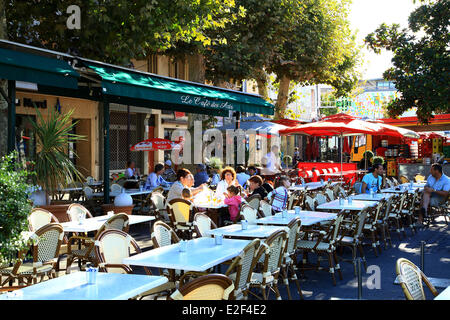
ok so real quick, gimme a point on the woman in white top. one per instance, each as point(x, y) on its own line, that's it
point(185, 179)
point(228, 178)
point(131, 172)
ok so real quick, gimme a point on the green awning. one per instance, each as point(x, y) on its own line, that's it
point(21, 66)
point(135, 88)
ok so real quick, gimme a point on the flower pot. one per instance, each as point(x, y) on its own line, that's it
point(111, 207)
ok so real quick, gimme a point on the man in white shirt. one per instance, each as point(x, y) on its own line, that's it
point(131, 172)
point(273, 165)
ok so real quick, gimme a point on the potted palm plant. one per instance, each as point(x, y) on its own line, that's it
point(53, 168)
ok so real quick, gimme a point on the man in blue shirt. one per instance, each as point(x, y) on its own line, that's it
point(241, 176)
point(436, 190)
point(201, 176)
point(155, 179)
point(373, 181)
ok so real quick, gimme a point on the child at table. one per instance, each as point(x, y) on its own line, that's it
point(279, 196)
point(233, 200)
point(186, 194)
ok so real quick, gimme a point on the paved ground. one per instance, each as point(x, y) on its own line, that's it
point(317, 285)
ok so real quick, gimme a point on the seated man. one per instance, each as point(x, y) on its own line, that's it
point(373, 181)
point(169, 174)
point(241, 176)
point(436, 190)
point(155, 178)
point(201, 176)
point(252, 171)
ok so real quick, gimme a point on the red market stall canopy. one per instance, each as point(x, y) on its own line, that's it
point(440, 122)
point(154, 144)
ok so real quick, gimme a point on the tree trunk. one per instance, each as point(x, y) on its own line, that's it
point(282, 98)
point(4, 85)
point(262, 80)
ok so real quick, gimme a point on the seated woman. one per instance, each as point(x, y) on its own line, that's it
point(279, 196)
point(228, 178)
point(155, 178)
point(255, 187)
point(131, 172)
point(185, 179)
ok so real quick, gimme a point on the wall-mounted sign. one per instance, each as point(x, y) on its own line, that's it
point(200, 101)
point(29, 103)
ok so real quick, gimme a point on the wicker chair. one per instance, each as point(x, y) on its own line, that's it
point(329, 193)
point(115, 188)
point(86, 254)
point(180, 213)
point(409, 209)
point(442, 210)
point(273, 250)
point(163, 235)
point(383, 221)
point(371, 225)
point(253, 201)
point(39, 218)
point(240, 270)
point(288, 265)
point(207, 287)
point(249, 214)
point(203, 223)
point(75, 209)
point(396, 183)
point(326, 242)
point(352, 233)
point(310, 203)
point(45, 251)
point(396, 213)
point(158, 206)
point(410, 278)
point(320, 199)
point(265, 209)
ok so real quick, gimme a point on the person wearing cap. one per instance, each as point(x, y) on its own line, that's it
point(169, 174)
point(201, 176)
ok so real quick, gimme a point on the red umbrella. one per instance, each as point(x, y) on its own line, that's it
point(154, 144)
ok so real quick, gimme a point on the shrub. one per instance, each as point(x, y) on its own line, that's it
point(14, 207)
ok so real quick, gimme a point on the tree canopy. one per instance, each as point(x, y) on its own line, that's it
point(116, 30)
point(420, 60)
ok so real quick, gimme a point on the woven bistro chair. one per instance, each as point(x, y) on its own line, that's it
point(396, 214)
point(74, 209)
point(352, 233)
point(265, 209)
point(272, 251)
point(180, 213)
point(202, 224)
point(320, 199)
point(158, 206)
point(395, 181)
point(253, 201)
point(249, 214)
point(240, 270)
point(288, 265)
point(45, 250)
point(383, 221)
point(329, 193)
point(115, 188)
point(207, 287)
point(441, 210)
point(119, 221)
point(403, 179)
point(371, 226)
point(39, 218)
point(410, 278)
point(112, 246)
point(310, 203)
point(163, 235)
point(409, 209)
point(326, 242)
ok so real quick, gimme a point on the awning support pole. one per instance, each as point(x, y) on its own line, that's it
point(105, 150)
point(11, 115)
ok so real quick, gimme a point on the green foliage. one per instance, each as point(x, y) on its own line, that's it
point(215, 163)
point(116, 30)
point(420, 63)
point(287, 159)
point(14, 207)
point(53, 166)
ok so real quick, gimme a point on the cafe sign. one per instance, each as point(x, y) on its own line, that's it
point(206, 103)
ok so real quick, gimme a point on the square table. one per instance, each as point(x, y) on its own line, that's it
point(394, 190)
point(201, 254)
point(376, 196)
point(109, 286)
point(444, 295)
point(308, 218)
point(357, 205)
point(253, 231)
point(93, 224)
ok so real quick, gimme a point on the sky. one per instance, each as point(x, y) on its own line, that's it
point(365, 17)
